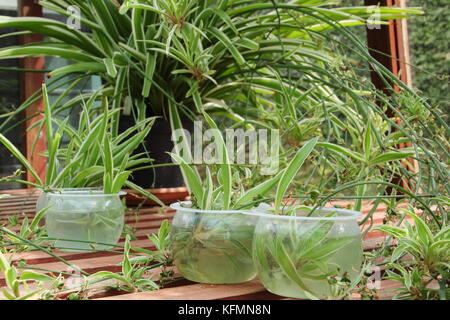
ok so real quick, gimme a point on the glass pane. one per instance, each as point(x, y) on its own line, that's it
point(88, 84)
point(9, 100)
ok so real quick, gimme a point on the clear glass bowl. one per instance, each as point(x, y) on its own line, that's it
point(84, 221)
point(42, 201)
point(212, 246)
point(300, 256)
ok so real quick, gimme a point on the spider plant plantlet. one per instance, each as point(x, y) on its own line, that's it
point(211, 235)
point(298, 250)
point(92, 157)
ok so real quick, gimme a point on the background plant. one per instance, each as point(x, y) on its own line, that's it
point(190, 53)
point(429, 51)
point(420, 261)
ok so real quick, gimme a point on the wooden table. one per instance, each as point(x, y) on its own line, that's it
point(146, 220)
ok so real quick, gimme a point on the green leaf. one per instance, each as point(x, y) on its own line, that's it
point(24, 228)
point(108, 160)
point(52, 159)
point(110, 67)
point(146, 282)
point(398, 253)
point(326, 249)
point(44, 50)
point(191, 177)
point(127, 268)
point(177, 126)
point(144, 192)
point(208, 191)
point(7, 294)
point(225, 167)
point(54, 29)
point(248, 43)
point(258, 191)
point(292, 169)
point(10, 277)
point(368, 140)
point(424, 232)
point(19, 156)
point(4, 263)
point(223, 38)
point(393, 231)
point(31, 275)
point(149, 71)
point(286, 264)
point(391, 156)
point(109, 275)
point(82, 67)
point(85, 174)
point(37, 218)
point(47, 115)
point(119, 181)
point(341, 150)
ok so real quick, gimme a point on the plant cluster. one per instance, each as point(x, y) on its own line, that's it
point(420, 261)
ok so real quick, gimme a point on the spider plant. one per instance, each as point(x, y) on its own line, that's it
point(17, 285)
point(131, 278)
point(28, 230)
point(299, 251)
point(206, 195)
point(299, 256)
point(91, 157)
point(211, 237)
point(135, 270)
point(199, 55)
point(420, 262)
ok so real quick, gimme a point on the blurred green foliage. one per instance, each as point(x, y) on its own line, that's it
point(430, 50)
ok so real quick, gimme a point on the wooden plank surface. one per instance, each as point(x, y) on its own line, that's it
point(146, 220)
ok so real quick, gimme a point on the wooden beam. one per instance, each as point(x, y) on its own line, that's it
point(30, 82)
point(389, 45)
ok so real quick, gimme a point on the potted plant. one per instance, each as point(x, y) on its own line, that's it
point(301, 254)
point(211, 235)
point(299, 251)
point(84, 176)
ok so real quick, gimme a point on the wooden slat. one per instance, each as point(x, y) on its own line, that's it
point(197, 292)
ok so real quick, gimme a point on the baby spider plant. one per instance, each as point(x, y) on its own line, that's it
point(420, 264)
point(211, 236)
point(136, 271)
point(302, 252)
point(88, 155)
point(17, 286)
point(28, 230)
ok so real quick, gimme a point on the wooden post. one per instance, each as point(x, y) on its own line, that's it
point(30, 82)
point(389, 45)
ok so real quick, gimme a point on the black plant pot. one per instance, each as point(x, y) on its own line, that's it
point(157, 144)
